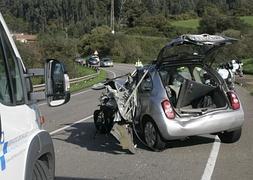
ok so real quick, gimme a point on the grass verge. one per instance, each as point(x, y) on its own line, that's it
point(248, 66)
point(194, 23)
point(190, 23)
point(81, 71)
point(85, 84)
point(247, 19)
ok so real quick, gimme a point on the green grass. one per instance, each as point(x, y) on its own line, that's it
point(82, 71)
point(190, 23)
point(247, 19)
point(88, 83)
point(248, 66)
point(79, 72)
point(194, 23)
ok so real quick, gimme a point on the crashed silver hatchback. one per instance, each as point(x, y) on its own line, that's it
point(182, 95)
point(176, 96)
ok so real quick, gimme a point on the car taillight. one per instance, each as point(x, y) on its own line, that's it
point(168, 109)
point(235, 103)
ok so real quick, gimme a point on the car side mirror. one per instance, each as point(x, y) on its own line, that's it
point(57, 83)
point(0, 131)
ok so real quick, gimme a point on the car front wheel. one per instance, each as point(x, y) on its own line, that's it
point(41, 171)
point(152, 136)
point(230, 137)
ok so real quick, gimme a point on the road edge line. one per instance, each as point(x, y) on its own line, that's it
point(68, 126)
point(208, 172)
point(113, 73)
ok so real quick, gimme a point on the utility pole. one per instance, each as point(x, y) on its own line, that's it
point(112, 17)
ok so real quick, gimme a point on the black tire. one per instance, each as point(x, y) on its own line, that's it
point(230, 137)
point(103, 121)
point(152, 136)
point(41, 171)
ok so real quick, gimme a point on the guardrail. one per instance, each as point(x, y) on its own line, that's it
point(41, 87)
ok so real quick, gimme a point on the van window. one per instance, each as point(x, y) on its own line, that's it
point(13, 69)
point(5, 95)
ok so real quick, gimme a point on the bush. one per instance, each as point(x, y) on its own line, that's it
point(100, 39)
point(57, 46)
point(214, 22)
point(248, 66)
point(129, 49)
point(30, 54)
point(144, 31)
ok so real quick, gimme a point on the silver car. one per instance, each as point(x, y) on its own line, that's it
point(182, 95)
point(106, 62)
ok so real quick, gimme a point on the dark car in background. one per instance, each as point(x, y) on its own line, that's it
point(106, 62)
point(92, 61)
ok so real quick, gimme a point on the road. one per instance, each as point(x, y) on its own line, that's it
point(80, 155)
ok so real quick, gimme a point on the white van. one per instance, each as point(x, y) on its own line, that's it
point(26, 150)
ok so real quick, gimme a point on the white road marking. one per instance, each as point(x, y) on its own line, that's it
point(211, 160)
point(113, 73)
point(68, 126)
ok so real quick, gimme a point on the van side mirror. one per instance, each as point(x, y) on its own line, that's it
point(57, 83)
point(0, 130)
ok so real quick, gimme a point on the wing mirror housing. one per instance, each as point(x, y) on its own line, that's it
point(57, 85)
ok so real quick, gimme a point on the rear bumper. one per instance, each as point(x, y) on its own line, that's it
point(224, 120)
point(106, 65)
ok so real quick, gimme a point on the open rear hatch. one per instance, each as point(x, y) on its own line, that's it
point(197, 98)
point(194, 97)
point(195, 48)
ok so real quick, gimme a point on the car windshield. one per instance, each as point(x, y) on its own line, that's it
point(105, 60)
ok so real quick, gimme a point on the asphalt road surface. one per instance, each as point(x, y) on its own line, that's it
point(82, 155)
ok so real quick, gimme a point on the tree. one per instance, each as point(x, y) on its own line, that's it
point(214, 22)
point(99, 39)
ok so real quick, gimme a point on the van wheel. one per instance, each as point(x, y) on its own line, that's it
point(41, 171)
point(152, 136)
point(230, 137)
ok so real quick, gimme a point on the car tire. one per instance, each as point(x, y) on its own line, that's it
point(41, 171)
point(230, 137)
point(152, 136)
point(102, 121)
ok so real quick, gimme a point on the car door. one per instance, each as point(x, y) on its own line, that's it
point(18, 120)
point(144, 92)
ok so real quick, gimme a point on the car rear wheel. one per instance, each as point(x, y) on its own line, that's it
point(41, 171)
point(230, 137)
point(152, 136)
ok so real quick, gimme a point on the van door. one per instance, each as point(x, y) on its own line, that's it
point(18, 120)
